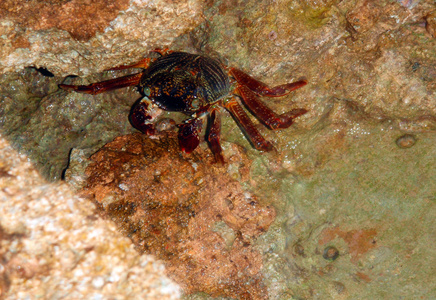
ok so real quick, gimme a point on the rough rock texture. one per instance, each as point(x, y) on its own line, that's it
point(377, 54)
point(53, 246)
point(46, 126)
point(185, 210)
point(83, 37)
point(354, 175)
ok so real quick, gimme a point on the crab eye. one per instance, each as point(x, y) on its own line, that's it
point(195, 103)
point(146, 91)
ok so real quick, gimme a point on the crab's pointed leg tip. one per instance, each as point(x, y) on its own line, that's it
point(188, 144)
point(66, 87)
point(220, 160)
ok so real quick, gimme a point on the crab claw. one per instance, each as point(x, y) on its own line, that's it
point(140, 118)
point(188, 135)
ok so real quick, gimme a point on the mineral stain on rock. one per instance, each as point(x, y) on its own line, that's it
point(359, 241)
point(80, 18)
point(170, 203)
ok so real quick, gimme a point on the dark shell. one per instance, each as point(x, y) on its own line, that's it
point(185, 82)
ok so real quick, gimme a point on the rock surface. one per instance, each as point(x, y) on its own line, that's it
point(352, 179)
point(54, 246)
point(187, 211)
point(82, 37)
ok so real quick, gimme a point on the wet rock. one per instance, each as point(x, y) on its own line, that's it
point(168, 203)
point(372, 76)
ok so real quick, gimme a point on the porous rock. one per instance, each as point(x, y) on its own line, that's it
point(54, 246)
point(181, 208)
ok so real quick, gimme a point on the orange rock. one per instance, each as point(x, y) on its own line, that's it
point(169, 203)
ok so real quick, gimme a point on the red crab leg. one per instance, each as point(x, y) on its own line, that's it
point(104, 86)
point(265, 114)
point(241, 117)
point(261, 88)
point(143, 63)
point(188, 134)
point(163, 52)
point(214, 135)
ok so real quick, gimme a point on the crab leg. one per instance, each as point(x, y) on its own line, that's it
point(241, 117)
point(264, 113)
point(104, 86)
point(261, 88)
point(143, 63)
point(188, 134)
point(214, 135)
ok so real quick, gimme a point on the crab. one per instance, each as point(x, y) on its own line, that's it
point(199, 87)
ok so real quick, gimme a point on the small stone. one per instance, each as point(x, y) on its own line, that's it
point(406, 141)
point(339, 287)
point(338, 290)
point(165, 124)
point(330, 253)
point(123, 186)
point(272, 35)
